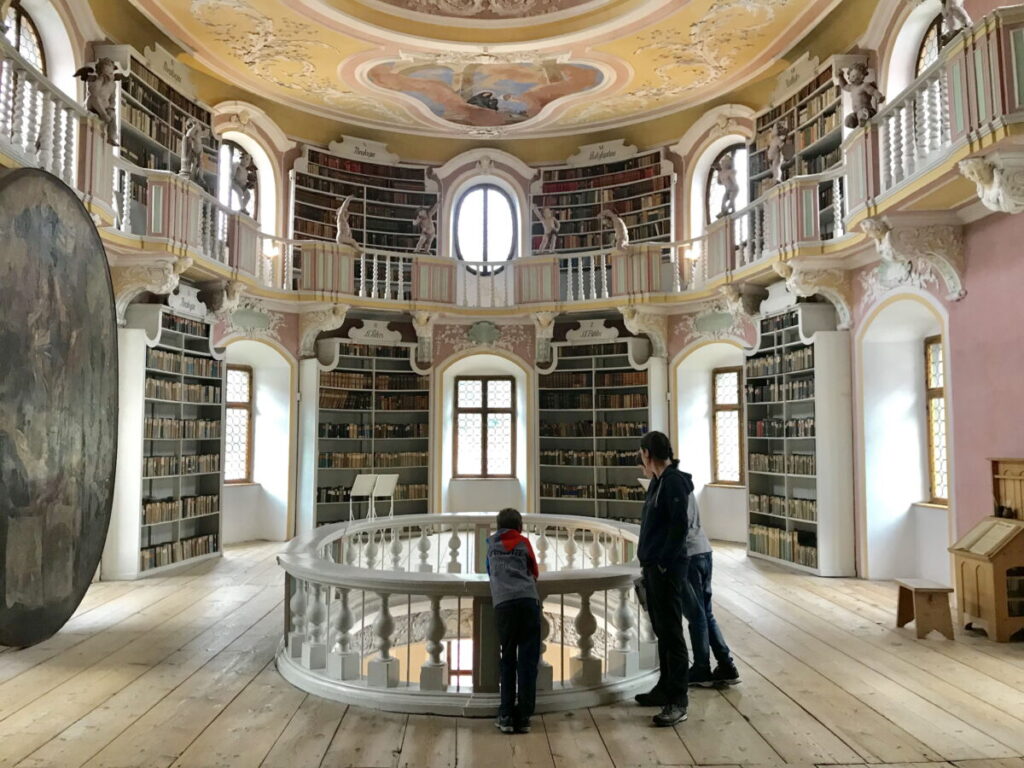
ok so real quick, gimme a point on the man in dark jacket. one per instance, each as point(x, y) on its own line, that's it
point(662, 555)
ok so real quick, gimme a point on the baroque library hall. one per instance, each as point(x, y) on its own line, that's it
point(382, 382)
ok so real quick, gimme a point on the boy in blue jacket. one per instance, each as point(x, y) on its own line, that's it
point(513, 573)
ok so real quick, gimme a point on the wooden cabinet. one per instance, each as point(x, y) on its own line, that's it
point(989, 567)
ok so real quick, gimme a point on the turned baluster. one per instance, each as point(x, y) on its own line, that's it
point(383, 671)
point(568, 279)
point(401, 280)
point(580, 292)
point(6, 89)
point(542, 548)
point(434, 671)
point(297, 618)
point(944, 130)
point(70, 121)
point(595, 551)
point(424, 547)
point(371, 549)
point(545, 673)
point(18, 107)
point(585, 667)
point(47, 135)
point(648, 643)
point(454, 544)
point(884, 153)
point(623, 661)
point(396, 549)
point(570, 549)
point(919, 123)
point(31, 116)
point(838, 205)
point(896, 127)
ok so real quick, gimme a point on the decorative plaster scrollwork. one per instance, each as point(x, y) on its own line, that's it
point(222, 297)
point(904, 249)
point(742, 299)
point(833, 284)
point(999, 180)
point(423, 324)
point(312, 324)
point(252, 320)
point(544, 333)
point(158, 277)
point(639, 320)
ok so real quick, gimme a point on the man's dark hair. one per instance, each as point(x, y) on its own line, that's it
point(510, 518)
point(657, 445)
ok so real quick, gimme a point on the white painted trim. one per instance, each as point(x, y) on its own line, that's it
point(249, 113)
point(498, 157)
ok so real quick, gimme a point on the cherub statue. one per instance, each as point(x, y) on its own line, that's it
point(344, 235)
point(859, 81)
point(618, 226)
point(551, 225)
point(776, 149)
point(192, 151)
point(726, 170)
point(424, 222)
point(954, 18)
point(101, 82)
point(5, 6)
point(243, 179)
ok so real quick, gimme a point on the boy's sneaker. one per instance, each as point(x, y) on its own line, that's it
point(504, 724)
point(701, 677)
point(670, 715)
point(523, 726)
point(726, 675)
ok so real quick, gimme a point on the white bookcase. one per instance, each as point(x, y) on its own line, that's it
point(363, 411)
point(170, 481)
point(799, 442)
point(594, 405)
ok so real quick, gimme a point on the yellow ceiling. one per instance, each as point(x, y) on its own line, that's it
point(263, 51)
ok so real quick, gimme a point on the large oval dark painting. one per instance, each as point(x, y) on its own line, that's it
point(58, 404)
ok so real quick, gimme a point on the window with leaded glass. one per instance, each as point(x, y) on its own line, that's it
point(485, 227)
point(935, 384)
point(931, 45)
point(726, 439)
point(24, 36)
point(238, 435)
point(485, 426)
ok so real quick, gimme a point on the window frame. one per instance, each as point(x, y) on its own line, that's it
point(499, 265)
point(935, 393)
point(732, 148)
point(717, 408)
point(937, 25)
point(21, 16)
point(241, 405)
point(484, 410)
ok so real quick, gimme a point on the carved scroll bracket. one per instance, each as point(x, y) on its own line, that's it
point(833, 284)
point(639, 320)
point(544, 334)
point(158, 276)
point(423, 324)
point(221, 297)
point(908, 250)
point(313, 323)
point(999, 179)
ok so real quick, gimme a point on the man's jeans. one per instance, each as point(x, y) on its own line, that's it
point(705, 636)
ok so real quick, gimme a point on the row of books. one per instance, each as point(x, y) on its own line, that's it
point(354, 401)
point(164, 466)
point(793, 546)
point(328, 460)
point(590, 429)
point(143, 157)
point(817, 130)
point(819, 163)
point(161, 389)
point(357, 208)
point(184, 325)
point(346, 380)
point(566, 400)
point(358, 223)
point(781, 428)
point(780, 322)
point(343, 188)
point(622, 400)
point(574, 458)
point(189, 365)
point(168, 510)
point(774, 363)
point(339, 493)
point(632, 492)
point(402, 402)
point(780, 463)
point(400, 381)
point(593, 350)
point(622, 379)
point(817, 104)
point(591, 171)
point(367, 350)
point(321, 169)
point(181, 429)
point(780, 506)
point(576, 212)
point(366, 431)
point(596, 182)
point(606, 195)
point(145, 123)
point(177, 99)
point(566, 380)
point(776, 391)
point(176, 551)
point(364, 168)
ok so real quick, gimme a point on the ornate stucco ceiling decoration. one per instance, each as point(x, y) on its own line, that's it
point(651, 59)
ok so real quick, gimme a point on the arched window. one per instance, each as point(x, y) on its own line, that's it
point(931, 45)
point(714, 191)
point(21, 32)
point(485, 226)
point(230, 189)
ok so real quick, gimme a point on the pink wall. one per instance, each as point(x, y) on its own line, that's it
point(986, 342)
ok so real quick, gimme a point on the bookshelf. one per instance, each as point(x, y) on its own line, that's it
point(799, 451)
point(167, 510)
point(372, 414)
point(593, 409)
point(152, 115)
point(386, 199)
point(813, 113)
point(637, 188)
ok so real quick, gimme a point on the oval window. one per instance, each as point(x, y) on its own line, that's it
point(485, 226)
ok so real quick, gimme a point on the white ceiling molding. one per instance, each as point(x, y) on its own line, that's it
point(242, 114)
point(726, 120)
point(486, 158)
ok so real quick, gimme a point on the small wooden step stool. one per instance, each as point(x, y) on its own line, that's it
point(926, 603)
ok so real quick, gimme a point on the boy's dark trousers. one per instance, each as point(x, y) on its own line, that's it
point(519, 639)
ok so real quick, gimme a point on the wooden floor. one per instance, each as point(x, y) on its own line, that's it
point(178, 671)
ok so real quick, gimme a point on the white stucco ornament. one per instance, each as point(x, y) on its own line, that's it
point(999, 179)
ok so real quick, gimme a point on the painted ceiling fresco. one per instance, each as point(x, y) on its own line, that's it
point(632, 60)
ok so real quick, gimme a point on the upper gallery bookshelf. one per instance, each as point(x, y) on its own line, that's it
point(170, 463)
point(638, 188)
point(153, 114)
point(594, 407)
point(812, 115)
point(799, 450)
point(386, 199)
point(372, 417)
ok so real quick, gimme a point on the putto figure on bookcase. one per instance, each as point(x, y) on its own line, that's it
point(859, 81)
point(344, 233)
point(101, 81)
point(424, 222)
point(954, 18)
point(777, 149)
point(243, 178)
point(549, 220)
point(192, 152)
point(619, 229)
point(726, 168)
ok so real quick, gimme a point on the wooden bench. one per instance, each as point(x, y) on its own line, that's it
point(926, 603)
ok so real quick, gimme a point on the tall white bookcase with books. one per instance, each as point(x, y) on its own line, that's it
point(363, 410)
point(799, 442)
point(594, 406)
point(170, 481)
